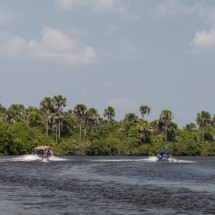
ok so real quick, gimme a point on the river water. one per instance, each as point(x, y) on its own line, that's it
point(106, 185)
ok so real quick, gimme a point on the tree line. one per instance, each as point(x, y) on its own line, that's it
point(83, 131)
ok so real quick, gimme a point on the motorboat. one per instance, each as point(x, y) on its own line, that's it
point(163, 154)
point(43, 152)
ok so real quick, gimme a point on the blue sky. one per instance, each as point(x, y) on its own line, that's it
point(120, 53)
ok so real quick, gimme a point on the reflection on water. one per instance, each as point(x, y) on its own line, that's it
point(106, 185)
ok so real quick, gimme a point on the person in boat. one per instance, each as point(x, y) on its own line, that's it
point(43, 151)
point(163, 153)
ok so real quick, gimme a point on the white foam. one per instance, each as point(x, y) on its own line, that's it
point(45, 160)
point(55, 158)
point(149, 159)
point(25, 158)
point(112, 160)
point(173, 160)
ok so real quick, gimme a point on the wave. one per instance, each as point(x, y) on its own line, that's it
point(150, 159)
point(173, 160)
point(25, 158)
point(28, 158)
point(55, 158)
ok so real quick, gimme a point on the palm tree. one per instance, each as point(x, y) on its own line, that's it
point(59, 103)
point(166, 117)
point(131, 117)
point(144, 109)
point(80, 112)
point(2, 108)
point(190, 127)
point(213, 120)
point(15, 113)
point(47, 109)
point(34, 116)
point(109, 113)
point(57, 119)
point(92, 118)
point(203, 119)
point(145, 129)
point(10, 116)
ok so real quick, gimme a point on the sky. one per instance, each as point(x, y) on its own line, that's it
point(119, 53)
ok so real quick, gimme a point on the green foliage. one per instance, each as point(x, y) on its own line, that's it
point(5, 140)
point(82, 131)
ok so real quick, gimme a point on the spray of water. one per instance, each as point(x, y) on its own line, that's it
point(28, 158)
point(173, 160)
point(25, 158)
point(55, 158)
point(150, 159)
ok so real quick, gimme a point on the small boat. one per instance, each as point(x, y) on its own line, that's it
point(163, 154)
point(43, 152)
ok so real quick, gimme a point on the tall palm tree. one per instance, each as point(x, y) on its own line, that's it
point(92, 118)
point(203, 119)
point(80, 113)
point(57, 119)
point(47, 108)
point(166, 117)
point(144, 109)
point(109, 113)
point(59, 102)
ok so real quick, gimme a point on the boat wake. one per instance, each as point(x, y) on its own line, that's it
point(29, 158)
point(150, 159)
point(25, 158)
point(173, 160)
point(55, 158)
point(169, 160)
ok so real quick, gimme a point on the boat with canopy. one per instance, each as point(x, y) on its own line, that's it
point(43, 152)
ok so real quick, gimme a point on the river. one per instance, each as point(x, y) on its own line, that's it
point(106, 185)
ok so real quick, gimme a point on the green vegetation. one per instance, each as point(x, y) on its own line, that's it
point(82, 131)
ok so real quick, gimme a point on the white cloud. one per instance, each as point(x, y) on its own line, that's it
point(204, 42)
point(98, 5)
point(101, 6)
point(170, 8)
point(56, 40)
point(54, 45)
point(12, 45)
